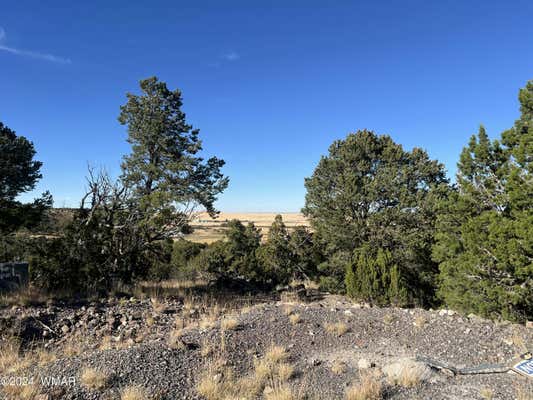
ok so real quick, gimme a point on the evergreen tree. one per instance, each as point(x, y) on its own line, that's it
point(235, 257)
point(373, 277)
point(369, 190)
point(306, 253)
point(19, 173)
point(275, 255)
point(168, 176)
point(485, 235)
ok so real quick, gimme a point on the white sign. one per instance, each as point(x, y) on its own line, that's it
point(525, 367)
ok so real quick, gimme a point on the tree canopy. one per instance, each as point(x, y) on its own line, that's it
point(485, 229)
point(19, 173)
point(369, 190)
point(164, 167)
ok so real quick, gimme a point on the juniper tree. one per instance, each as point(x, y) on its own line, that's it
point(369, 190)
point(275, 254)
point(375, 278)
point(485, 235)
point(235, 257)
point(306, 253)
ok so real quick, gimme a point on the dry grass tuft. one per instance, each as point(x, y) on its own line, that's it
point(420, 321)
point(285, 371)
point(270, 372)
point(389, 319)
point(408, 376)
point(294, 318)
point(27, 296)
point(276, 354)
point(174, 340)
point(150, 320)
point(105, 344)
point(21, 392)
point(282, 392)
point(338, 367)
point(75, 346)
point(13, 360)
point(288, 309)
point(217, 382)
point(43, 356)
point(93, 379)
point(264, 369)
point(157, 305)
point(207, 348)
point(524, 392)
point(209, 319)
point(486, 393)
point(338, 328)
point(229, 323)
point(369, 387)
point(10, 359)
point(133, 393)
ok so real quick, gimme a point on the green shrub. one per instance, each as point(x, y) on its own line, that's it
point(183, 252)
point(332, 272)
point(160, 267)
point(375, 278)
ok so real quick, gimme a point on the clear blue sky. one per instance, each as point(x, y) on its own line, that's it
point(270, 84)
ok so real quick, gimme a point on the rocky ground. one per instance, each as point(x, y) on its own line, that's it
point(169, 347)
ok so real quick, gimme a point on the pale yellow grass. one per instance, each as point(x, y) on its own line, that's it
point(338, 367)
point(283, 392)
point(369, 387)
point(105, 344)
point(208, 230)
point(486, 393)
point(157, 305)
point(12, 359)
point(409, 376)
point(229, 323)
point(21, 392)
point(270, 375)
point(420, 321)
point(93, 379)
point(288, 309)
point(133, 393)
point(285, 371)
point(174, 339)
point(295, 318)
point(276, 354)
point(524, 392)
point(337, 328)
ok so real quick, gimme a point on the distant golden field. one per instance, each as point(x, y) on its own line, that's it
point(208, 230)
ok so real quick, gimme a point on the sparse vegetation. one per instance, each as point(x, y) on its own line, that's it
point(338, 367)
point(134, 393)
point(420, 321)
point(388, 319)
point(337, 328)
point(229, 323)
point(295, 318)
point(369, 387)
point(21, 392)
point(93, 379)
point(276, 354)
point(486, 393)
